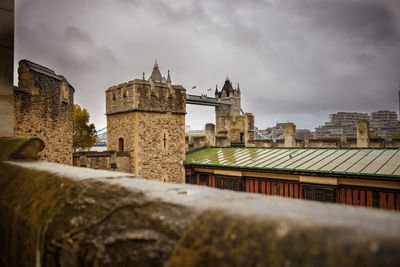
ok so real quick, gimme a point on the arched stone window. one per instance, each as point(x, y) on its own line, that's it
point(121, 144)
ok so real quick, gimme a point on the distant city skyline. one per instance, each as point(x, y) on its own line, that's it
point(295, 61)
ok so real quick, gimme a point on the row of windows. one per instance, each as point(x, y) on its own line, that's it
point(350, 196)
point(370, 198)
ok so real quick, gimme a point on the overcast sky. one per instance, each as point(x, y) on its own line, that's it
point(295, 60)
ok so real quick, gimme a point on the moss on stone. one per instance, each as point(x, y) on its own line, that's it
point(83, 222)
point(218, 239)
point(20, 147)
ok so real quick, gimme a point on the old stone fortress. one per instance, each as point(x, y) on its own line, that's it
point(146, 137)
point(154, 199)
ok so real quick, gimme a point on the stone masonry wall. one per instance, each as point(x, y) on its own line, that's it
point(122, 126)
point(44, 108)
point(150, 117)
point(155, 161)
point(106, 160)
point(143, 134)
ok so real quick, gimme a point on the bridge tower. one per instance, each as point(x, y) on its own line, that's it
point(146, 118)
point(229, 121)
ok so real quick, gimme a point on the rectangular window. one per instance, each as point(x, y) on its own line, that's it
point(390, 197)
point(231, 183)
point(291, 190)
point(375, 199)
point(204, 179)
point(356, 197)
point(319, 194)
point(382, 200)
point(277, 189)
point(369, 198)
point(362, 198)
point(349, 198)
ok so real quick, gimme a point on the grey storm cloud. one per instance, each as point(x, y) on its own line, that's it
point(295, 60)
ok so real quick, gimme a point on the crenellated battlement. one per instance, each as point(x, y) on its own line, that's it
point(146, 95)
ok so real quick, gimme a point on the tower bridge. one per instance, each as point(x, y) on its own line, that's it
point(204, 100)
point(231, 122)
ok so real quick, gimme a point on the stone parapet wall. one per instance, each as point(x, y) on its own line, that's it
point(222, 141)
point(58, 215)
point(106, 160)
point(259, 143)
point(43, 107)
point(324, 143)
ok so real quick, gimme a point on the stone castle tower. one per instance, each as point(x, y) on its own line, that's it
point(229, 121)
point(43, 107)
point(146, 118)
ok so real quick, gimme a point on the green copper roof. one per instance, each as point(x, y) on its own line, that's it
point(376, 162)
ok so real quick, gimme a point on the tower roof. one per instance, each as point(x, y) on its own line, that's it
point(156, 74)
point(227, 87)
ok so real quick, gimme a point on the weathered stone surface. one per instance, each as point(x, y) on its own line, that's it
point(58, 215)
point(290, 135)
point(43, 107)
point(62, 222)
point(6, 67)
point(20, 148)
point(106, 160)
point(147, 120)
point(362, 133)
point(243, 241)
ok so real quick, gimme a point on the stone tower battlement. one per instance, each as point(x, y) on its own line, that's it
point(146, 95)
point(146, 118)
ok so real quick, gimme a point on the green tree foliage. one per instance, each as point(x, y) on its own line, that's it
point(396, 135)
point(84, 134)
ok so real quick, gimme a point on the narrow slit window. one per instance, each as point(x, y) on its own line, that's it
point(121, 144)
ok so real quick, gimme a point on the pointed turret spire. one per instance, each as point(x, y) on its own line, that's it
point(227, 88)
point(169, 78)
point(216, 91)
point(156, 75)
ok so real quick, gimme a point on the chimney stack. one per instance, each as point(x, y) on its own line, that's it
point(290, 135)
point(362, 133)
point(210, 134)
